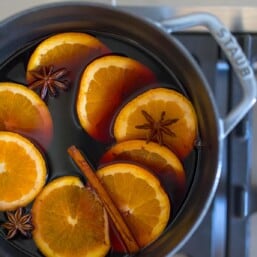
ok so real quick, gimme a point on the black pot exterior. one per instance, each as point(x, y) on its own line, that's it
point(18, 31)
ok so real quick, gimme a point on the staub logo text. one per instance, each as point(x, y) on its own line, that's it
point(235, 52)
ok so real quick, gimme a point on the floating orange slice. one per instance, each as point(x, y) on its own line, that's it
point(161, 115)
point(140, 198)
point(69, 220)
point(22, 111)
point(104, 85)
point(70, 50)
point(159, 159)
point(22, 171)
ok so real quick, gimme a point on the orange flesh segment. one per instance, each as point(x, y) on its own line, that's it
point(22, 111)
point(70, 50)
point(104, 85)
point(69, 220)
point(159, 159)
point(154, 102)
point(22, 171)
point(140, 198)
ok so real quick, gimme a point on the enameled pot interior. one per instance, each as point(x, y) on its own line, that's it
point(142, 40)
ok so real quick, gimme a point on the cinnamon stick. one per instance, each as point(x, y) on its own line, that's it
point(121, 226)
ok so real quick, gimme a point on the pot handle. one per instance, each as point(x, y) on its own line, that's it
point(234, 54)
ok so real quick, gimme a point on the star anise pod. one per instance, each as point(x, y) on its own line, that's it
point(157, 128)
point(48, 80)
point(18, 222)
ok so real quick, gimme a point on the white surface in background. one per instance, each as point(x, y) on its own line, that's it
point(11, 7)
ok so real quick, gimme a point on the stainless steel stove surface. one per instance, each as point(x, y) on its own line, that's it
point(225, 231)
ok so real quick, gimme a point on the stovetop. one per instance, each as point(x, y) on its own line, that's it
point(225, 230)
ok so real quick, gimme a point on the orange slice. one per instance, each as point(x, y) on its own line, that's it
point(22, 111)
point(159, 159)
point(70, 50)
point(104, 85)
point(159, 110)
point(69, 220)
point(22, 171)
point(140, 198)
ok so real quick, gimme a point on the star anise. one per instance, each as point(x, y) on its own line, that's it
point(157, 128)
point(18, 222)
point(48, 80)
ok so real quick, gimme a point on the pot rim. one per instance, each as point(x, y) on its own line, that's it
point(6, 23)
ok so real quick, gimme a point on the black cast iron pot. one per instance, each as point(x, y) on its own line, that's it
point(154, 42)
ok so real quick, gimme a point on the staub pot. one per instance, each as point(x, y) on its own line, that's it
point(18, 32)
